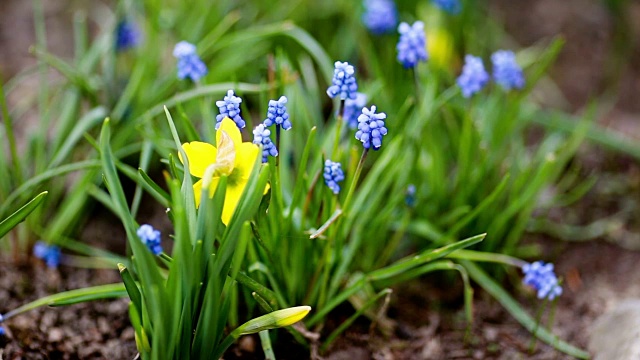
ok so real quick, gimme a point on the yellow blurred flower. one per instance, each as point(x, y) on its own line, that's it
point(440, 48)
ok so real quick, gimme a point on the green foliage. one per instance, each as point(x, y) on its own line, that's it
point(180, 308)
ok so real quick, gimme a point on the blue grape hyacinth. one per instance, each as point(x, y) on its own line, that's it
point(371, 128)
point(230, 107)
point(151, 238)
point(412, 46)
point(380, 16)
point(410, 196)
point(540, 276)
point(506, 71)
point(277, 113)
point(189, 63)
point(50, 254)
point(128, 35)
point(450, 6)
point(333, 174)
point(344, 83)
point(474, 77)
point(261, 136)
point(353, 109)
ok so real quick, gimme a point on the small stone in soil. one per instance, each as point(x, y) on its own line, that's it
point(614, 335)
point(55, 335)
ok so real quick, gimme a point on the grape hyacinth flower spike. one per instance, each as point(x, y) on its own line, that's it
point(540, 277)
point(230, 107)
point(474, 77)
point(410, 196)
point(344, 83)
point(277, 114)
point(261, 136)
point(451, 6)
point(151, 238)
point(189, 63)
point(50, 254)
point(128, 35)
point(506, 71)
point(380, 16)
point(412, 46)
point(353, 108)
point(371, 128)
point(332, 175)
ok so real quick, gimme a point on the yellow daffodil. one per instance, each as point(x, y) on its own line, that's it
point(233, 158)
point(440, 48)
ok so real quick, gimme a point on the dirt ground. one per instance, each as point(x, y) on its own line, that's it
point(430, 324)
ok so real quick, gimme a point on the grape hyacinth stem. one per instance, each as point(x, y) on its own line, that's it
point(339, 121)
point(278, 144)
point(534, 339)
point(356, 176)
point(416, 84)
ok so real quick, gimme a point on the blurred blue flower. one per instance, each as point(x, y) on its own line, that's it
point(450, 6)
point(474, 77)
point(128, 35)
point(189, 63)
point(2, 331)
point(277, 113)
point(353, 108)
point(50, 254)
point(371, 128)
point(332, 175)
point(410, 196)
point(380, 16)
point(540, 276)
point(506, 71)
point(151, 238)
point(412, 46)
point(344, 82)
point(184, 48)
point(261, 136)
point(230, 107)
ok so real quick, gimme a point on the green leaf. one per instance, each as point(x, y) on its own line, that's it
point(49, 174)
point(132, 288)
point(17, 217)
point(108, 291)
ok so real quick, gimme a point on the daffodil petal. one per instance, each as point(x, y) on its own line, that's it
point(231, 200)
point(197, 189)
point(227, 125)
point(246, 157)
point(200, 155)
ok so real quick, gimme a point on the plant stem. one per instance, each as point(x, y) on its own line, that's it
point(352, 187)
point(266, 345)
point(339, 121)
point(278, 145)
point(10, 135)
point(416, 84)
point(534, 339)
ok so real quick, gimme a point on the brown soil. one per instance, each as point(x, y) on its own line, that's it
point(98, 330)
